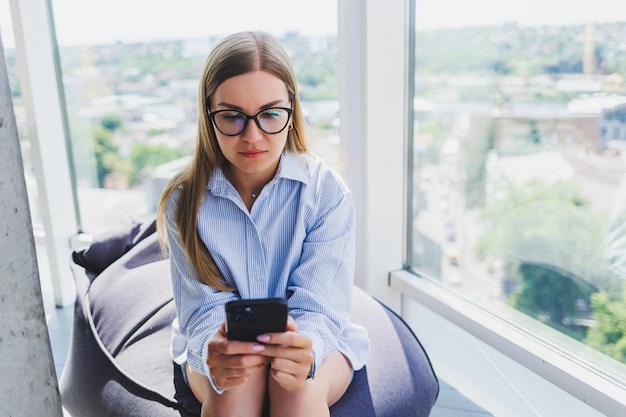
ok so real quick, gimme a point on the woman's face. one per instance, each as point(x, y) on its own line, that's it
point(253, 154)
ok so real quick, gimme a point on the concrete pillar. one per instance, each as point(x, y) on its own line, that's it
point(28, 382)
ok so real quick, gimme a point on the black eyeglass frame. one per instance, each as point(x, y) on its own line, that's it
point(254, 117)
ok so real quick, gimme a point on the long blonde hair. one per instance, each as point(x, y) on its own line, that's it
point(234, 55)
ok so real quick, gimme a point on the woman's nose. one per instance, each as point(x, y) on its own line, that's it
point(252, 133)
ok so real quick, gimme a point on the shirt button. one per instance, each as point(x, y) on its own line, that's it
point(258, 277)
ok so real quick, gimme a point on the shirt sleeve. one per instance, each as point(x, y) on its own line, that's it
point(320, 287)
point(199, 308)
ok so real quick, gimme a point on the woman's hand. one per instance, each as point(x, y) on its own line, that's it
point(233, 362)
point(291, 356)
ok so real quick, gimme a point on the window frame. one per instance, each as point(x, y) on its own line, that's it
point(41, 85)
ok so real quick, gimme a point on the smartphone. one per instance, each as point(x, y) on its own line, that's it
point(247, 319)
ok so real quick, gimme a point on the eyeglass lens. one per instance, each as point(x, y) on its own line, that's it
point(232, 122)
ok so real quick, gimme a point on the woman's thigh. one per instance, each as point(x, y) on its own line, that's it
point(230, 401)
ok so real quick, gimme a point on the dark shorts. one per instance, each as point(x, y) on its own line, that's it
point(183, 370)
point(190, 405)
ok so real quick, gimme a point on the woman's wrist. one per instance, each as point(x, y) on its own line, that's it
point(311, 374)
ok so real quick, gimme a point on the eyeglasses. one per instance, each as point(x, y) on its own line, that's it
point(272, 120)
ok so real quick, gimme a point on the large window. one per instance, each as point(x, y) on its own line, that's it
point(519, 156)
point(130, 76)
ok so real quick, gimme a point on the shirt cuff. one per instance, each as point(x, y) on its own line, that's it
point(207, 371)
point(318, 352)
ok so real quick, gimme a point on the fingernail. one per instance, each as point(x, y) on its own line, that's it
point(263, 338)
point(257, 348)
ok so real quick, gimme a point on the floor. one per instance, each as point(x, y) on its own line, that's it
point(450, 402)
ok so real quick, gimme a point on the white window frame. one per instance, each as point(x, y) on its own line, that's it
point(42, 94)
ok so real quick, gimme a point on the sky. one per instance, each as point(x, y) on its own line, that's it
point(433, 14)
point(108, 21)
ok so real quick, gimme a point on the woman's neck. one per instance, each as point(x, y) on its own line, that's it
point(248, 186)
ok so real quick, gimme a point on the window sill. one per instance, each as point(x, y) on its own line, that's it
point(581, 381)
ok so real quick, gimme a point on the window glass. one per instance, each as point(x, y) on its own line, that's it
point(519, 151)
point(130, 74)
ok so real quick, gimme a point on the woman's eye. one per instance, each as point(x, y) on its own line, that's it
point(272, 113)
point(230, 116)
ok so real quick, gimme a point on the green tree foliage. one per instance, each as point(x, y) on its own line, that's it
point(83, 154)
point(144, 155)
point(548, 224)
point(106, 151)
point(548, 294)
point(609, 333)
point(315, 62)
point(541, 224)
point(111, 122)
point(535, 134)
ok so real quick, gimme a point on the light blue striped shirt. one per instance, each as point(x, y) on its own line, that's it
point(297, 242)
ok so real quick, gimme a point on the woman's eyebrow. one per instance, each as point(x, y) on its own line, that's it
point(235, 107)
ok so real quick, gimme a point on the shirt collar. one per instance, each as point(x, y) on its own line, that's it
point(292, 166)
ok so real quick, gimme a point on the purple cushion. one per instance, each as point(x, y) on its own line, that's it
point(119, 364)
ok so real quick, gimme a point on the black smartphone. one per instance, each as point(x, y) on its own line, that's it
point(247, 319)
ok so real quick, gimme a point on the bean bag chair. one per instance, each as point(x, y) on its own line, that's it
point(119, 365)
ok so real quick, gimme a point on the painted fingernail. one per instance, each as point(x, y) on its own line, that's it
point(257, 348)
point(263, 338)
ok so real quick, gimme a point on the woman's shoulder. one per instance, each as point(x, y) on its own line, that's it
point(322, 186)
point(317, 172)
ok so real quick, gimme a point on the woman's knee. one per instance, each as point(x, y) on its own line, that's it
point(331, 381)
point(308, 401)
point(337, 370)
point(230, 401)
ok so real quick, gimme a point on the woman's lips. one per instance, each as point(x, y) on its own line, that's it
point(252, 154)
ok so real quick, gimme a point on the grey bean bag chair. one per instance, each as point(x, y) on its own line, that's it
point(119, 363)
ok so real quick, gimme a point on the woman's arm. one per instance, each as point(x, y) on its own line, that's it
point(200, 308)
point(320, 288)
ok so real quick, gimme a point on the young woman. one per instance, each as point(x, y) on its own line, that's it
point(255, 216)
